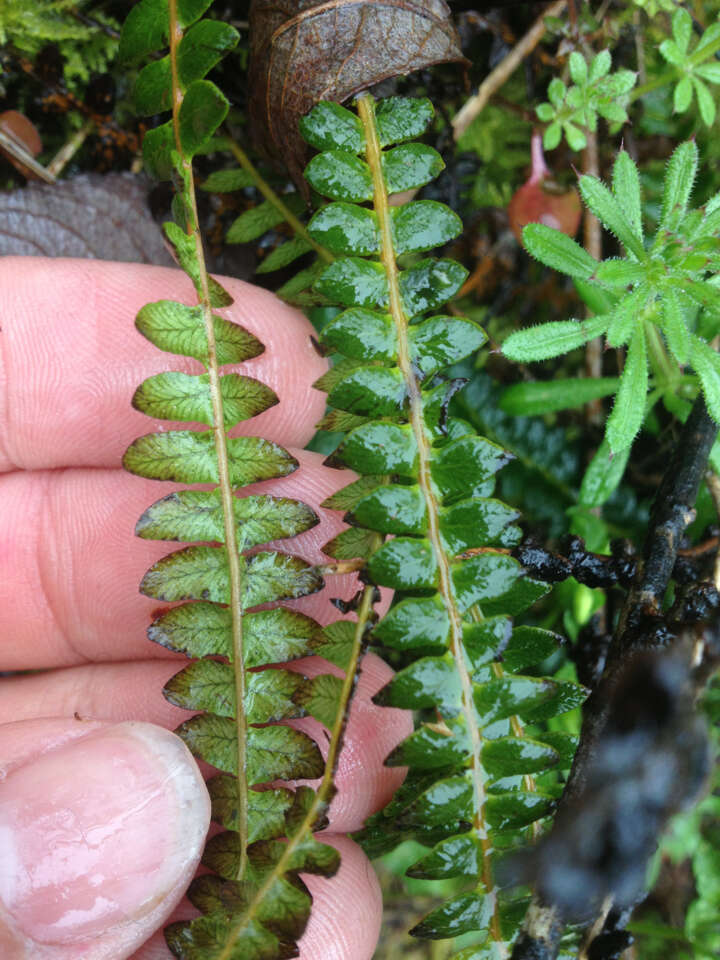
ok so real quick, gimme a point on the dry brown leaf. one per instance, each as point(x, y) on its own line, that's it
point(304, 51)
point(89, 216)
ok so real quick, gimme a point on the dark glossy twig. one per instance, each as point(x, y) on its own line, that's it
point(640, 627)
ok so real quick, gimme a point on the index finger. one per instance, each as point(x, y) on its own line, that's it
point(71, 359)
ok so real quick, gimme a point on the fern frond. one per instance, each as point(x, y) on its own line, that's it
point(428, 482)
point(253, 905)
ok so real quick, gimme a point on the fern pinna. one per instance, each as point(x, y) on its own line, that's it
point(253, 905)
point(426, 486)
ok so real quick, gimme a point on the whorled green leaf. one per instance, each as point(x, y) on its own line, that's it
point(603, 475)
point(679, 180)
point(707, 364)
point(546, 396)
point(629, 408)
point(627, 190)
point(547, 340)
point(626, 316)
point(609, 211)
point(620, 273)
point(557, 250)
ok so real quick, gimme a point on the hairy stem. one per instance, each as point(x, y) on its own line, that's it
point(366, 111)
point(220, 437)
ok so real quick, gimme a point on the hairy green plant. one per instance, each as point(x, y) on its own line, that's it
point(653, 7)
point(694, 69)
point(426, 487)
point(594, 91)
point(662, 293)
point(253, 905)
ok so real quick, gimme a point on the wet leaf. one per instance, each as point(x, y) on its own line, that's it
point(351, 46)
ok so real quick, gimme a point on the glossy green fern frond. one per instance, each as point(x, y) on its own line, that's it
point(254, 904)
point(427, 487)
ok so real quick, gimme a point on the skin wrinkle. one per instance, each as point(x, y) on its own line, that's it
point(48, 560)
point(365, 783)
point(67, 374)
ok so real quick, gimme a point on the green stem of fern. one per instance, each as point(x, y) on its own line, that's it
point(267, 191)
point(366, 111)
point(324, 792)
point(226, 490)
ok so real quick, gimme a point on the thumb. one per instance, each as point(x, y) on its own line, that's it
point(101, 830)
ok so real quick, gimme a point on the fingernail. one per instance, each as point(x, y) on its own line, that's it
point(94, 834)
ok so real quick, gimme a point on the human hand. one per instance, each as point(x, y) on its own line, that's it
point(102, 821)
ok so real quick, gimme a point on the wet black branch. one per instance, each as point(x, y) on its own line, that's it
point(639, 726)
